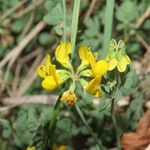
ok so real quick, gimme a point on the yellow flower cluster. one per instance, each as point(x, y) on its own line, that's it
point(90, 67)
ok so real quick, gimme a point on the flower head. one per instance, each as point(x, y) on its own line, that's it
point(93, 87)
point(86, 55)
point(100, 68)
point(51, 78)
point(62, 54)
point(117, 57)
point(89, 73)
point(69, 97)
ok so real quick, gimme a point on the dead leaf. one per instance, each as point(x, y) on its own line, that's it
point(140, 139)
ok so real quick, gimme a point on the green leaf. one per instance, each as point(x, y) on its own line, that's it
point(146, 24)
point(50, 4)
point(55, 17)
point(117, 95)
point(44, 39)
point(6, 129)
point(18, 25)
point(135, 110)
point(31, 120)
point(58, 30)
point(92, 27)
point(127, 12)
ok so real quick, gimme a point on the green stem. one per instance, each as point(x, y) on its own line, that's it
point(64, 21)
point(105, 106)
point(53, 119)
point(108, 22)
point(88, 127)
point(115, 125)
point(74, 25)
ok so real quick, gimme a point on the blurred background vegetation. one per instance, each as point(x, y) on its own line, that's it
point(29, 29)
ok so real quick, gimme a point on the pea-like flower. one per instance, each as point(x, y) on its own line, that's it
point(62, 54)
point(51, 78)
point(69, 97)
point(116, 56)
point(98, 69)
point(89, 73)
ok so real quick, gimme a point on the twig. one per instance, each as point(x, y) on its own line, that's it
point(31, 76)
point(28, 9)
point(28, 25)
point(142, 18)
point(30, 56)
point(16, 77)
point(90, 9)
point(35, 99)
point(21, 63)
point(18, 49)
point(17, 101)
point(143, 42)
point(10, 11)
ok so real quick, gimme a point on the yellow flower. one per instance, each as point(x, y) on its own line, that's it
point(62, 54)
point(30, 148)
point(86, 55)
point(121, 63)
point(116, 56)
point(100, 68)
point(93, 87)
point(51, 78)
point(69, 97)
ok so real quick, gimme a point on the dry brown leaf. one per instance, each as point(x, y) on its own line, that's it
point(140, 139)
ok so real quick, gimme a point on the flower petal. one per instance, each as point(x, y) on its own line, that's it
point(100, 68)
point(84, 54)
point(62, 54)
point(49, 83)
point(47, 64)
point(121, 65)
point(41, 70)
point(112, 63)
point(127, 59)
point(93, 87)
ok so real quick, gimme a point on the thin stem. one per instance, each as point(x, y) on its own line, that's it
point(53, 119)
point(74, 25)
point(105, 106)
point(88, 127)
point(108, 22)
point(115, 125)
point(64, 21)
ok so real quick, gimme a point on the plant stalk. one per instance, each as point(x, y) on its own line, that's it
point(74, 25)
point(53, 119)
point(64, 21)
point(115, 125)
point(108, 23)
point(98, 142)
